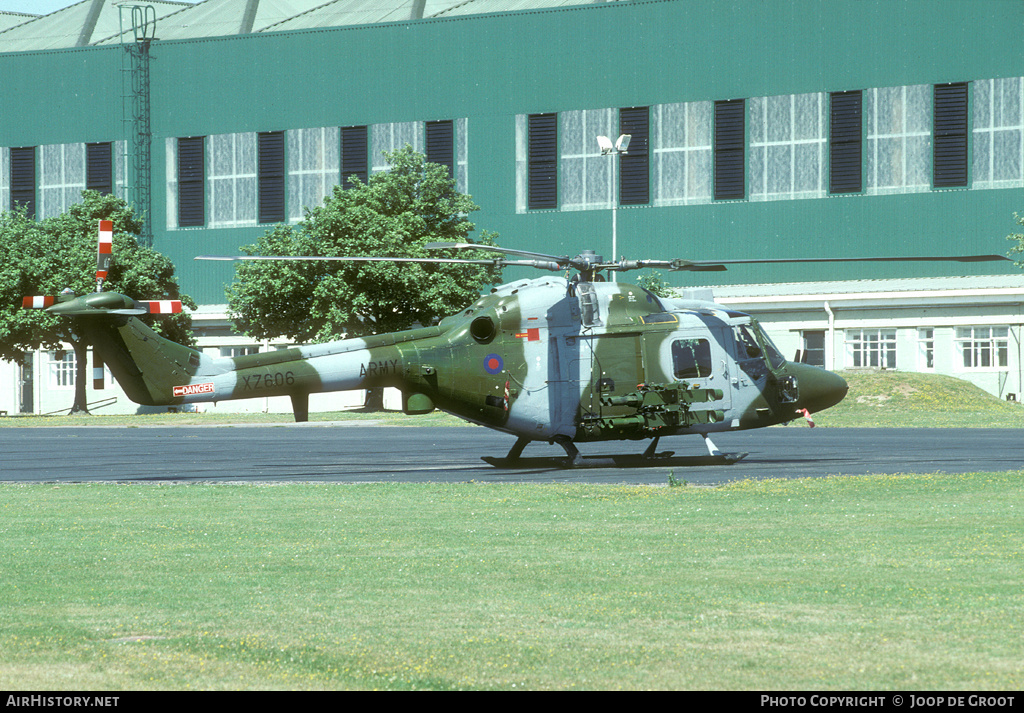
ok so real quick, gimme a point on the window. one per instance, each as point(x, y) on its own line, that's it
point(441, 144)
point(845, 142)
point(391, 137)
point(787, 147)
point(5, 178)
point(313, 167)
point(874, 348)
point(191, 183)
point(586, 175)
point(682, 144)
point(462, 155)
point(814, 347)
point(730, 149)
point(99, 167)
point(23, 179)
point(634, 165)
point(271, 177)
point(983, 347)
point(691, 358)
point(998, 126)
point(62, 370)
point(542, 161)
point(949, 158)
point(231, 180)
point(61, 178)
point(925, 349)
point(354, 154)
point(238, 351)
point(899, 136)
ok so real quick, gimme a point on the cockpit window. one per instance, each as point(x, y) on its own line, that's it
point(691, 358)
point(774, 355)
point(755, 351)
point(748, 346)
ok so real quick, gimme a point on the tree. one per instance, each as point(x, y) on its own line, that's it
point(58, 253)
point(1017, 251)
point(394, 214)
point(653, 282)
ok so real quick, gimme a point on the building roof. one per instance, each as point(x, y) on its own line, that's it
point(1003, 289)
point(85, 23)
point(13, 19)
point(97, 22)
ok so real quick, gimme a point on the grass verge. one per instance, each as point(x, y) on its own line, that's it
point(892, 399)
point(866, 583)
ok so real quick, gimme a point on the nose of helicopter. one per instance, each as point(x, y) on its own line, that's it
point(819, 388)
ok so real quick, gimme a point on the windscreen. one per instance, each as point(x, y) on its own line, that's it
point(755, 352)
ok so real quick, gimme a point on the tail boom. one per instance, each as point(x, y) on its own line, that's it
point(155, 371)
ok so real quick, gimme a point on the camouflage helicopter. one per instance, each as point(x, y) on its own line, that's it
point(558, 359)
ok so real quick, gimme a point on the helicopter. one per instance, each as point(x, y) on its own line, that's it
point(562, 359)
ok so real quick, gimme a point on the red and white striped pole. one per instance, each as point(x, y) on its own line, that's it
point(97, 372)
point(103, 252)
point(104, 249)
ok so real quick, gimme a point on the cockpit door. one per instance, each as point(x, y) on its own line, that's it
point(700, 358)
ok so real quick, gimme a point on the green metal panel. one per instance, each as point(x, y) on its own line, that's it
point(615, 54)
point(63, 96)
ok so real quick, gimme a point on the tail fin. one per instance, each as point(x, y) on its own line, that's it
point(146, 365)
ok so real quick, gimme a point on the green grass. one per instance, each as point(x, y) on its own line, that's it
point(894, 399)
point(866, 583)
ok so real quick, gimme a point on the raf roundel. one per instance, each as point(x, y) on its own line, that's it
point(493, 364)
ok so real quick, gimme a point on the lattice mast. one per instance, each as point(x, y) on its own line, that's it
point(138, 30)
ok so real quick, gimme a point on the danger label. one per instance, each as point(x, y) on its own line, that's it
point(193, 389)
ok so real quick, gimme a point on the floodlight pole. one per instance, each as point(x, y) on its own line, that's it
point(607, 149)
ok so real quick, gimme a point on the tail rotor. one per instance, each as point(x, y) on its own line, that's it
point(100, 303)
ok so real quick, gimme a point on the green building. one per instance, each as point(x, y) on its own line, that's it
point(759, 129)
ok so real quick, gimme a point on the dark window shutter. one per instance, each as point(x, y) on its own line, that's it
point(543, 161)
point(99, 175)
point(271, 176)
point(191, 182)
point(846, 142)
point(354, 154)
point(441, 144)
point(950, 140)
point(23, 179)
point(730, 149)
point(634, 172)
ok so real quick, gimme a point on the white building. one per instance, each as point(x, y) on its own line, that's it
point(965, 327)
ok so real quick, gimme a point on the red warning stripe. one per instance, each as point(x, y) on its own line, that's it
point(38, 302)
point(106, 247)
point(163, 306)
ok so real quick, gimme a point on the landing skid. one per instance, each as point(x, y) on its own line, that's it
point(573, 459)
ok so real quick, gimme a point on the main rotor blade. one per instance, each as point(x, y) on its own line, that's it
point(929, 258)
point(720, 265)
point(563, 259)
point(495, 262)
point(327, 258)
